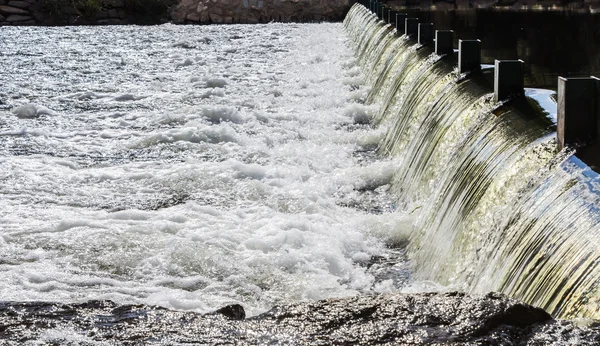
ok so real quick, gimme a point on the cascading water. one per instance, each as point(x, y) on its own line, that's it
point(495, 207)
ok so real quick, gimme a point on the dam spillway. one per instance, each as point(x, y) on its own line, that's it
point(496, 207)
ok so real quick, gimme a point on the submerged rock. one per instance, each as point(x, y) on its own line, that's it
point(395, 319)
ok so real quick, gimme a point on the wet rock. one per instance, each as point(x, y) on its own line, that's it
point(394, 319)
point(234, 311)
point(19, 4)
point(11, 10)
point(18, 18)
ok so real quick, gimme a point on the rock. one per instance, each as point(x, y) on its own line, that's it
point(113, 13)
point(234, 312)
point(20, 4)
point(11, 10)
point(2, 18)
point(26, 23)
point(13, 18)
point(391, 319)
point(101, 15)
point(194, 17)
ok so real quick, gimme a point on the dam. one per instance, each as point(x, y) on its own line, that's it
point(499, 207)
point(286, 183)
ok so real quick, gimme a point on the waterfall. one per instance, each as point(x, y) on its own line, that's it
point(497, 207)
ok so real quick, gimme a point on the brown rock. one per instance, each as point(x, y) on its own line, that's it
point(19, 4)
point(215, 18)
point(188, 4)
point(13, 18)
point(194, 17)
point(11, 10)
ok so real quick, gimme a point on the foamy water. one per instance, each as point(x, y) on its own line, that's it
point(190, 167)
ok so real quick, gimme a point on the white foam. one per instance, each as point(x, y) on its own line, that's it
point(361, 114)
point(195, 134)
point(221, 113)
point(31, 110)
point(215, 82)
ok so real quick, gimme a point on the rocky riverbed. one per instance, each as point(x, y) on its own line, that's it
point(393, 319)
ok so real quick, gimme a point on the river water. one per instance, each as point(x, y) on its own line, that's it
point(191, 167)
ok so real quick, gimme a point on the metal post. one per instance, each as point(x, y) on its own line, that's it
point(425, 33)
point(508, 79)
point(578, 111)
point(444, 42)
point(469, 55)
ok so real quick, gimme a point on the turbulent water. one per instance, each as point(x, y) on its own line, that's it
point(190, 167)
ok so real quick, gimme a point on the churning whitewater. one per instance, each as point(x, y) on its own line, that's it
point(191, 167)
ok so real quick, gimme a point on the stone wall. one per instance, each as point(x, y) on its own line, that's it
point(259, 11)
point(102, 12)
point(83, 12)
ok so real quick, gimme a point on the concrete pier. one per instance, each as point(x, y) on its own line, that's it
point(578, 111)
point(401, 23)
point(392, 17)
point(411, 27)
point(425, 33)
point(444, 42)
point(469, 55)
point(508, 79)
point(385, 12)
